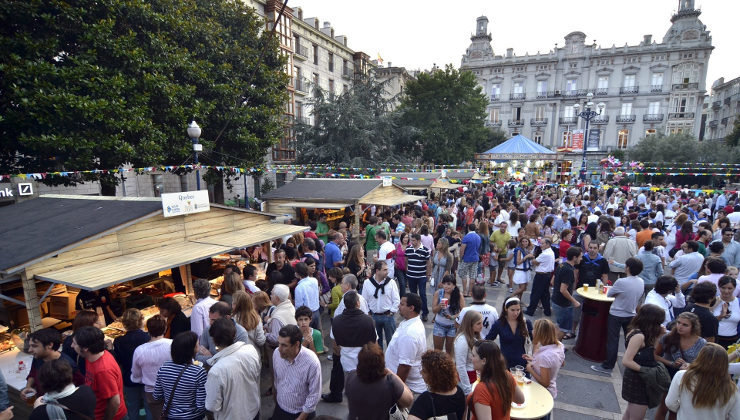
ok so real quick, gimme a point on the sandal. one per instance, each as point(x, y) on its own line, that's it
point(569, 336)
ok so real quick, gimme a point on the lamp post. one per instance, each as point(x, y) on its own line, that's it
point(587, 114)
point(194, 134)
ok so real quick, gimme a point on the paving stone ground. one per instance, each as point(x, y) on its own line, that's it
point(582, 393)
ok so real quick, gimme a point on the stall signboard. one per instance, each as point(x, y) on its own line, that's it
point(387, 181)
point(188, 202)
point(593, 139)
point(577, 140)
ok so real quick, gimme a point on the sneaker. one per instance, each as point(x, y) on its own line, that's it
point(511, 290)
point(496, 284)
point(598, 368)
point(423, 318)
point(330, 357)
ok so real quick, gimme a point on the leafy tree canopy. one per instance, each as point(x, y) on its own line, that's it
point(733, 139)
point(100, 83)
point(448, 109)
point(682, 148)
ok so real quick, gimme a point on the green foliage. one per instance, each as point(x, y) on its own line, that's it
point(99, 83)
point(447, 109)
point(355, 126)
point(495, 137)
point(733, 139)
point(682, 148)
point(267, 185)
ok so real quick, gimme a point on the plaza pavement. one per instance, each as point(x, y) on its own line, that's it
point(582, 393)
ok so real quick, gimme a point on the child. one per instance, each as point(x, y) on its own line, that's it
point(732, 271)
point(509, 261)
point(311, 337)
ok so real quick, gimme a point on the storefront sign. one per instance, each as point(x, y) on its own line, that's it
point(594, 135)
point(25, 189)
point(189, 202)
point(577, 140)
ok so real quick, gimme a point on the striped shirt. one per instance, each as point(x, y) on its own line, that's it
point(189, 401)
point(416, 261)
point(298, 383)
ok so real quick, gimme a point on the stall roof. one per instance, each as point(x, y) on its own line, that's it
point(324, 189)
point(45, 226)
point(414, 180)
point(517, 147)
point(110, 271)
point(394, 201)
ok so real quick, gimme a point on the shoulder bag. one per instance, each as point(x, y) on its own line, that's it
point(165, 415)
point(396, 412)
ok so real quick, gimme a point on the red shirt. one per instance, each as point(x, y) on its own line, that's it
point(105, 379)
point(482, 395)
point(564, 245)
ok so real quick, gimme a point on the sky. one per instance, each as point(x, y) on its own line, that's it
point(419, 34)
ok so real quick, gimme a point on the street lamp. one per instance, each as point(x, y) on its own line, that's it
point(587, 114)
point(194, 134)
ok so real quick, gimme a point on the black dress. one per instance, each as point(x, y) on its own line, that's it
point(633, 387)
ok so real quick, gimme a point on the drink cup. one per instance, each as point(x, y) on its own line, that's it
point(445, 302)
point(519, 374)
point(585, 287)
point(29, 396)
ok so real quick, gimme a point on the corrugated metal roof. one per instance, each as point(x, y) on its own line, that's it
point(324, 189)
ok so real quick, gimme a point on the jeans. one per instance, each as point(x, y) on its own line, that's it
point(401, 277)
point(614, 323)
point(419, 286)
point(135, 401)
point(384, 324)
point(540, 293)
point(155, 407)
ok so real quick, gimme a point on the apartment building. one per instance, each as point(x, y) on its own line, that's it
point(722, 108)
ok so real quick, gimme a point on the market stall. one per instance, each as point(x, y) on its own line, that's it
point(521, 157)
point(322, 195)
point(57, 246)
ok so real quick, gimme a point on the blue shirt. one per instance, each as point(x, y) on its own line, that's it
point(472, 244)
point(332, 254)
point(512, 342)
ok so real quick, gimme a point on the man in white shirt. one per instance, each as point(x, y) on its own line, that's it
point(199, 320)
point(687, 264)
point(382, 296)
point(409, 342)
point(544, 266)
point(307, 293)
point(489, 313)
point(386, 252)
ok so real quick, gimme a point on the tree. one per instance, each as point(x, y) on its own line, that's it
point(355, 126)
point(682, 148)
point(94, 84)
point(448, 109)
point(733, 139)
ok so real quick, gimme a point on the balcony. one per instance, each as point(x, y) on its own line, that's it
point(600, 120)
point(495, 98)
point(538, 122)
point(713, 123)
point(727, 101)
point(601, 91)
point(681, 116)
point(346, 73)
point(493, 123)
point(301, 85)
point(516, 123)
point(685, 86)
point(716, 104)
point(568, 120)
point(301, 52)
point(570, 93)
point(626, 118)
point(543, 95)
point(517, 96)
point(652, 118)
point(554, 94)
point(724, 120)
point(627, 90)
point(302, 120)
point(656, 88)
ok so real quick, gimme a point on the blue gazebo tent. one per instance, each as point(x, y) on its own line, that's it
point(517, 148)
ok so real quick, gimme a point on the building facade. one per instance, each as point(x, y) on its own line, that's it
point(395, 79)
point(647, 88)
point(722, 108)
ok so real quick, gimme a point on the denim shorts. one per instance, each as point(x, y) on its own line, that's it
point(563, 317)
point(444, 330)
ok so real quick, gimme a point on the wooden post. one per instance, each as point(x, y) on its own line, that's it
point(356, 229)
point(269, 253)
point(187, 278)
point(32, 300)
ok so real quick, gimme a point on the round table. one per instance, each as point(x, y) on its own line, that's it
point(592, 332)
point(538, 402)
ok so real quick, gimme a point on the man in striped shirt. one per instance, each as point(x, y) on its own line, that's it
point(418, 264)
point(297, 373)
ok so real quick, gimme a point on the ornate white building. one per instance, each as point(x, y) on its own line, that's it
point(647, 88)
point(722, 109)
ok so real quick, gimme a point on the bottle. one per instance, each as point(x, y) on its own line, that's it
point(21, 366)
point(598, 285)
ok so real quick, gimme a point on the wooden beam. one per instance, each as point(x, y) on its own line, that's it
point(356, 229)
point(32, 300)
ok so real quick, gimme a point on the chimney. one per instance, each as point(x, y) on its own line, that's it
point(647, 40)
point(390, 64)
point(509, 52)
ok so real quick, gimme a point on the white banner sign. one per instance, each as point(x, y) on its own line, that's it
point(387, 181)
point(180, 204)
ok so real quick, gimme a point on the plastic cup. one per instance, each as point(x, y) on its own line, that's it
point(29, 396)
point(445, 302)
point(585, 287)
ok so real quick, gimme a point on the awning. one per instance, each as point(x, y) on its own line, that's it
point(443, 184)
point(318, 205)
point(104, 273)
point(393, 201)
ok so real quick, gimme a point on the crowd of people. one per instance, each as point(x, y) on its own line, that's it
point(357, 295)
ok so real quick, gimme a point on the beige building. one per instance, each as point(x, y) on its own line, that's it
point(395, 79)
point(722, 108)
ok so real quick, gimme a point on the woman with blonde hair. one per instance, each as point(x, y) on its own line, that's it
point(705, 390)
point(245, 314)
point(468, 334)
point(232, 282)
point(262, 305)
point(548, 357)
point(441, 262)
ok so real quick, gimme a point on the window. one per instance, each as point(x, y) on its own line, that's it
point(629, 80)
point(623, 137)
point(567, 138)
point(541, 87)
point(574, 65)
point(570, 85)
point(520, 68)
point(345, 67)
point(683, 102)
point(299, 110)
point(345, 88)
point(656, 79)
point(538, 138)
point(316, 54)
point(539, 112)
point(654, 108)
point(331, 87)
point(659, 57)
point(686, 73)
point(569, 111)
point(626, 109)
point(297, 44)
point(543, 67)
point(495, 115)
point(517, 113)
point(496, 89)
point(678, 128)
point(316, 81)
point(518, 87)
point(687, 55)
point(603, 82)
point(650, 132)
point(630, 60)
point(331, 61)
point(497, 70)
point(606, 62)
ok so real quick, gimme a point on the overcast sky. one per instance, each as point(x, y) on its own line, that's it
point(418, 34)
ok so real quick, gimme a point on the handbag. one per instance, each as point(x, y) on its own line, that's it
point(434, 411)
point(325, 298)
point(396, 412)
point(172, 394)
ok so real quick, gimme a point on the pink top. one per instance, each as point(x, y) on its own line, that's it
point(400, 257)
point(551, 356)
